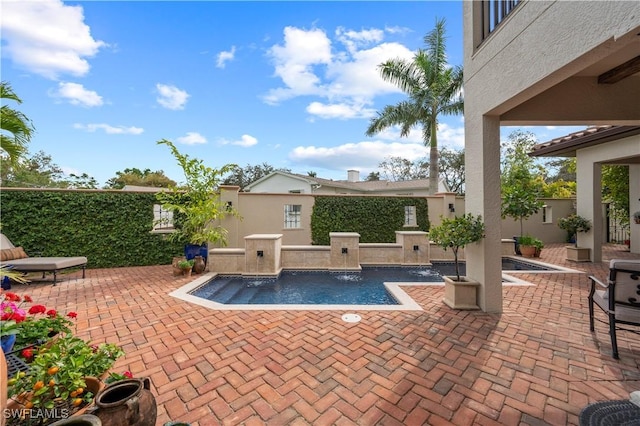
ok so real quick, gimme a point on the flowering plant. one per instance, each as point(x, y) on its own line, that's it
point(57, 376)
point(11, 314)
point(32, 326)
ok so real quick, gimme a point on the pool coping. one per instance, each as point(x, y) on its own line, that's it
point(405, 302)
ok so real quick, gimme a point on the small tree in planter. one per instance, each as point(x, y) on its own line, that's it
point(520, 180)
point(197, 204)
point(456, 233)
point(574, 224)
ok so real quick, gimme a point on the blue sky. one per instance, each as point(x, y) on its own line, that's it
point(292, 84)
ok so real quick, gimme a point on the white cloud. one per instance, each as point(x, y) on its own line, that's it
point(308, 64)
point(76, 94)
point(245, 141)
point(341, 111)
point(47, 37)
point(192, 138)
point(224, 57)
point(171, 97)
point(448, 136)
point(358, 75)
point(109, 129)
point(363, 156)
point(294, 62)
point(355, 39)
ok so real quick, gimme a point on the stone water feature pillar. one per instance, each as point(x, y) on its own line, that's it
point(415, 247)
point(345, 251)
point(262, 254)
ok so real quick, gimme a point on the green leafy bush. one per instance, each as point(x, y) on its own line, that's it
point(375, 218)
point(110, 228)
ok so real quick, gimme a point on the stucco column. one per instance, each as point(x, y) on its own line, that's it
point(634, 206)
point(482, 182)
point(589, 203)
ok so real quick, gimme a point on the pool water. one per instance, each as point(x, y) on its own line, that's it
point(329, 288)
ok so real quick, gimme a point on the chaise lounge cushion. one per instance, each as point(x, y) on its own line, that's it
point(39, 264)
point(16, 257)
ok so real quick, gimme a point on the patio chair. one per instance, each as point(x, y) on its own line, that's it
point(619, 298)
point(18, 260)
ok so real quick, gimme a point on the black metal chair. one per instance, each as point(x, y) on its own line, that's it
point(619, 298)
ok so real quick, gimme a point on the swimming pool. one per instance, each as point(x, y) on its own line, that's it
point(332, 288)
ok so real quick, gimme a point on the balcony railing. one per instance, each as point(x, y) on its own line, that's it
point(493, 12)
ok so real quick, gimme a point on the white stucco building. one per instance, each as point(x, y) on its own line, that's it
point(280, 182)
point(542, 63)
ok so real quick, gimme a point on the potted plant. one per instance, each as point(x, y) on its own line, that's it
point(456, 233)
point(574, 224)
point(519, 204)
point(196, 205)
point(186, 266)
point(61, 376)
point(530, 246)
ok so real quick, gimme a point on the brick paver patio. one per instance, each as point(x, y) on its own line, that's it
point(537, 363)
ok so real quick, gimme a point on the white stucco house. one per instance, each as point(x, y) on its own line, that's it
point(542, 63)
point(279, 182)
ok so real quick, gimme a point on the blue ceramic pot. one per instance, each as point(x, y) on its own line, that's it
point(7, 342)
point(193, 250)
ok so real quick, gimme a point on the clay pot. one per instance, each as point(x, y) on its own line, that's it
point(82, 420)
point(127, 402)
point(198, 265)
point(528, 251)
point(176, 269)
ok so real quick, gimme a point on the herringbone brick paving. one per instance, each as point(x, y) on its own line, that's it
point(537, 363)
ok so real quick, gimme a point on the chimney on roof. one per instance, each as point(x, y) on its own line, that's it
point(353, 176)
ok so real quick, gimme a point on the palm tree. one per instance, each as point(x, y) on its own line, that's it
point(15, 123)
point(433, 88)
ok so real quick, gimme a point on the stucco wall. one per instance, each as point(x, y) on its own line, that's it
point(264, 214)
point(541, 44)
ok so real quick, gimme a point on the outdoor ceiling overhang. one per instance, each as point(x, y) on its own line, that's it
point(566, 146)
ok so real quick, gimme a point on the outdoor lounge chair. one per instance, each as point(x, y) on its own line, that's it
point(18, 260)
point(619, 298)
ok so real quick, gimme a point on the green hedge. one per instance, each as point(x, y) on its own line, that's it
point(375, 218)
point(112, 229)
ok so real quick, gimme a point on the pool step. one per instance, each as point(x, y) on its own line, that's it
point(226, 292)
point(245, 296)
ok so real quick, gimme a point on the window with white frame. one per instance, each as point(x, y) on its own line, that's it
point(162, 219)
point(410, 216)
point(547, 216)
point(292, 214)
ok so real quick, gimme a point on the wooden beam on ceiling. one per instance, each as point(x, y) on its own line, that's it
point(616, 74)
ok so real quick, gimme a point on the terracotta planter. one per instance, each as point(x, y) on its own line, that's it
point(174, 264)
point(528, 251)
point(93, 385)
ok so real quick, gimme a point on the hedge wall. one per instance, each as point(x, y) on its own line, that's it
point(112, 229)
point(375, 218)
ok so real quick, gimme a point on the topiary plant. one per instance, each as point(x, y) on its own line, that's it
point(456, 233)
point(574, 224)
